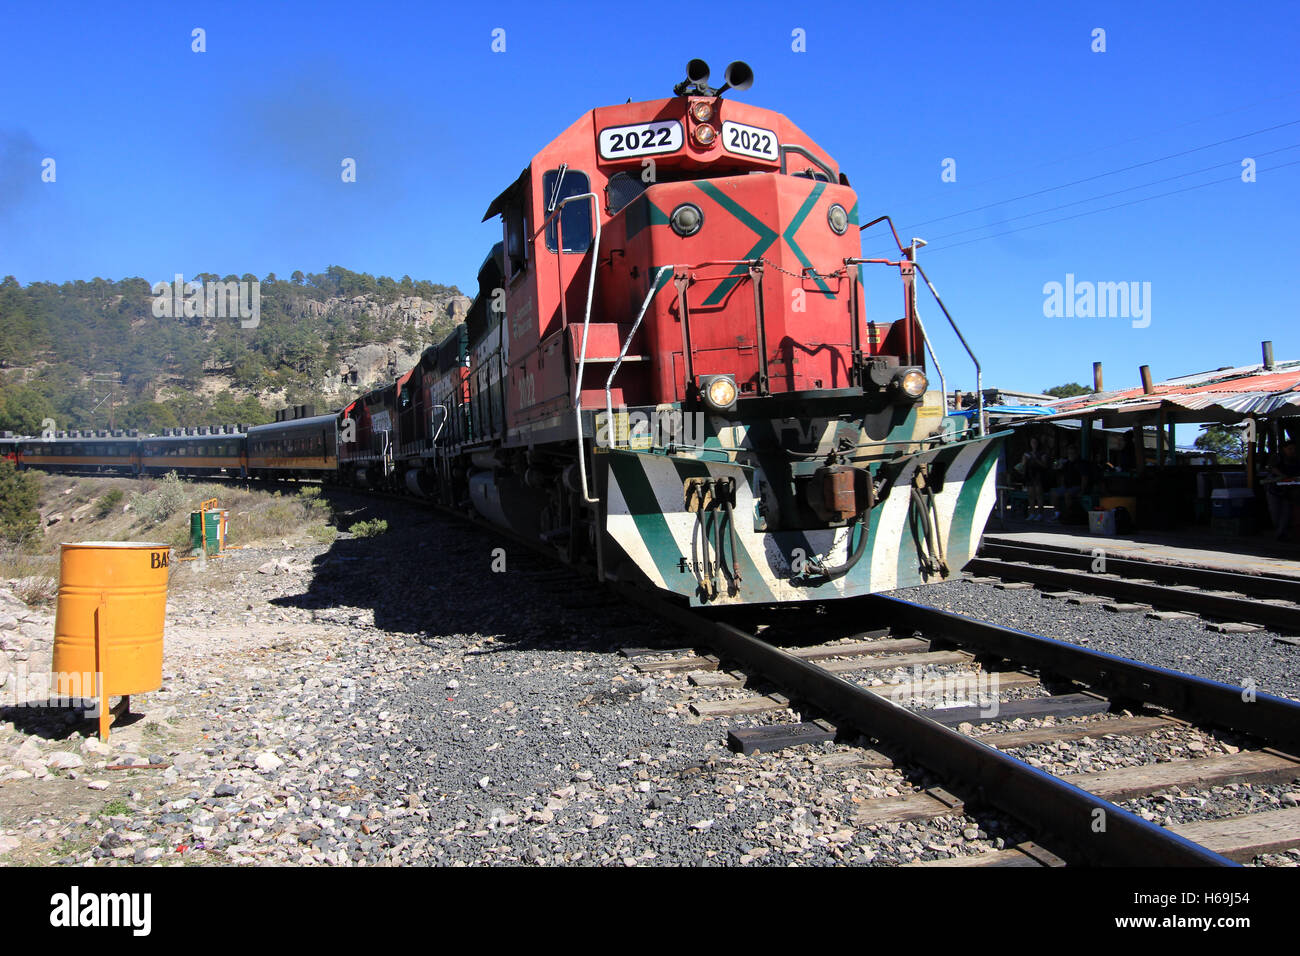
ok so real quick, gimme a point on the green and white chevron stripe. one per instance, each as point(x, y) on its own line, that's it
point(647, 519)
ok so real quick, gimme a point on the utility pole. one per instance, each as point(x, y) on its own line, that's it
point(111, 379)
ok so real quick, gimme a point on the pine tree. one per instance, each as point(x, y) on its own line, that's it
point(19, 493)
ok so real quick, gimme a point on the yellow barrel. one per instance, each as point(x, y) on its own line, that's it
point(118, 590)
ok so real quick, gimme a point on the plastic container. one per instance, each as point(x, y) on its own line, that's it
point(1231, 502)
point(1101, 522)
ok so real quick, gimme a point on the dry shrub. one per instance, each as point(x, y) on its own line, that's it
point(35, 576)
point(167, 497)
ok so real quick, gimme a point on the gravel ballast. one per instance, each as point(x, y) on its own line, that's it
point(1182, 645)
point(394, 701)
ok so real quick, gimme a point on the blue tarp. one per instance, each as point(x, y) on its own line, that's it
point(1006, 410)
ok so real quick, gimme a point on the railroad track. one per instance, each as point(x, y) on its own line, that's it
point(1071, 693)
point(1237, 600)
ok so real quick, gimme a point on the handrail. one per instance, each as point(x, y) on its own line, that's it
point(795, 148)
point(979, 378)
point(929, 346)
point(979, 373)
point(559, 243)
point(898, 242)
point(586, 323)
point(609, 382)
point(446, 413)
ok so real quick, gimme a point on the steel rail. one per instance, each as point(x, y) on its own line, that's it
point(1097, 830)
point(1222, 606)
point(1243, 709)
point(1255, 585)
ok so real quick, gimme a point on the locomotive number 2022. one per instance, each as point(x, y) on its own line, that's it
point(644, 139)
point(749, 141)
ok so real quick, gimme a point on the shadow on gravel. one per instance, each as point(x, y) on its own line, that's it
point(434, 576)
point(58, 722)
point(799, 625)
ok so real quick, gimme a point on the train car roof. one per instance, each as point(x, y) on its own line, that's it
point(191, 437)
point(66, 439)
point(316, 421)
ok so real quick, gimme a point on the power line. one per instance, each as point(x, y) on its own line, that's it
point(1135, 139)
point(1113, 172)
point(1132, 202)
point(1116, 192)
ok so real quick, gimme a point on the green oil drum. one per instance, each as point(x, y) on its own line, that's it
point(211, 529)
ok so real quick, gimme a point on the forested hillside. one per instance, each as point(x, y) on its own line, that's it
point(93, 353)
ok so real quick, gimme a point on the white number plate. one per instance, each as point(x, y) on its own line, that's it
point(750, 141)
point(644, 139)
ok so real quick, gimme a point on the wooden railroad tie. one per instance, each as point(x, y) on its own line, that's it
point(748, 740)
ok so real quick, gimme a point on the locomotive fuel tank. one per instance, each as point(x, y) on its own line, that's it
point(507, 502)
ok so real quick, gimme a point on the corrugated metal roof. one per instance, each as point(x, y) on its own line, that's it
point(1224, 395)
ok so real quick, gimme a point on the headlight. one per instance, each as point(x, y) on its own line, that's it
point(686, 219)
point(837, 218)
point(913, 383)
point(705, 135)
point(702, 111)
point(719, 391)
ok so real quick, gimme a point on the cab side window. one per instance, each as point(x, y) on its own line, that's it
point(516, 241)
point(574, 221)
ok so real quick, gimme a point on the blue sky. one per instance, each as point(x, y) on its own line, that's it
point(228, 161)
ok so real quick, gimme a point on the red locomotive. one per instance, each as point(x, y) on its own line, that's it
point(669, 371)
